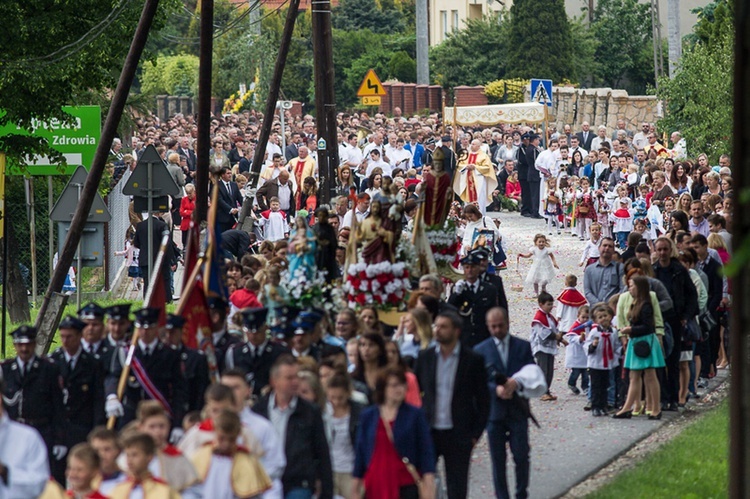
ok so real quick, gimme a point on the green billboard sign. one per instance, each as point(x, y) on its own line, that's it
point(77, 141)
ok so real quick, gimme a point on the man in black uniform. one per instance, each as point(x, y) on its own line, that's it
point(494, 279)
point(473, 298)
point(33, 392)
point(526, 157)
point(119, 325)
point(194, 362)
point(256, 356)
point(93, 340)
point(160, 378)
point(83, 388)
point(222, 339)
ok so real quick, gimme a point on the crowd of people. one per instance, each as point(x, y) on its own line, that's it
point(337, 403)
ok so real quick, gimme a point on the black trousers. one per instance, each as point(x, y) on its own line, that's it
point(456, 452)
point(670, 377)
point(599, 385)
point(534, 198)
point(525, 197)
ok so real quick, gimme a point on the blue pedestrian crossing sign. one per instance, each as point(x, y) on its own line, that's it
point(541, 91)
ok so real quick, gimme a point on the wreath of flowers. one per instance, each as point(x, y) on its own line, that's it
point(384, 285)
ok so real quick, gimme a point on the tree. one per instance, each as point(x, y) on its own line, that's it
point(353, 15)
point(56, 54)
point(171, 75)
point(539, 41)
point(699, 97)
point(584, 64)
point(473, 55)
point(623, 28)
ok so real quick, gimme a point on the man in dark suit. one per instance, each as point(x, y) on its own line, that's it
point(186, 152)
point(473, 298)
point(525, 165)
point(194, 363)
point(94, 341)
point(218, 310)
point(586, 136)
point(454, 398)
point(512, 377)
point(83, 388)
point(160, 378)
point(449, 157)
point(292, 150)
point(280, 187)
point(300, 427)
point(33, 393)
point(230, 201)
point(256, 356)
point(141, 242)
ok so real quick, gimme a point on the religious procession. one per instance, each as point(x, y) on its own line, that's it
point(340, 350)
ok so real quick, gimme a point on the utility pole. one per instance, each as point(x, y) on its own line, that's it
point(423, 62)
point(254, 6)
point(273, 92)
point(673, 35)
point(97, 168)
point(656, 37)
point(325, 99)
point(739, 388)
point(204, 110)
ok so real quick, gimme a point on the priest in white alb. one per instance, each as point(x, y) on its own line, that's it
point(475, 178)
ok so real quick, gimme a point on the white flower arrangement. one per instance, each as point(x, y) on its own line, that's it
point(383, 284)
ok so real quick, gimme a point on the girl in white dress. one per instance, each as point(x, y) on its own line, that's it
point(542, 271)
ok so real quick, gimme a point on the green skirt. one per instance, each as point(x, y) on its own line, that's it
point(656, 359)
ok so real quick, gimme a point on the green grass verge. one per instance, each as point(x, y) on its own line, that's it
point(693, 465)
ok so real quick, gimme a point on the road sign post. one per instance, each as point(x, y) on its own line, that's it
point(90, 249)
point(541, 91)
point(371, 90)
point(159, 185)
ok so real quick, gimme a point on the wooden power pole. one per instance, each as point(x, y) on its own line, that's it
point(325, 99)
point(204, 110)
point(739, 389)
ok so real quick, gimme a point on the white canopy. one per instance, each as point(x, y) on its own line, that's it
point(526, 112)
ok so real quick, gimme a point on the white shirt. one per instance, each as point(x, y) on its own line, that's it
point(24, 453)
point(74, 358)
point(276, 226)
point(148, 347)
point(399, 155)
point(272, 149)
point(354, 155)
point(348, 217)
point(378, 164)
point(274, 458)
point(285, 196)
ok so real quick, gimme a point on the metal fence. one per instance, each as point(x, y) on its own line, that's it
point(118, 204)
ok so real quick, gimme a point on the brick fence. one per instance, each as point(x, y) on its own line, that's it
point(411, 98)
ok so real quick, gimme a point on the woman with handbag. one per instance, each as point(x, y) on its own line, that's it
point(395, 458)
point(639, 316)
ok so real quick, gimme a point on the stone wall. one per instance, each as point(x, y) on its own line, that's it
point(600, 106)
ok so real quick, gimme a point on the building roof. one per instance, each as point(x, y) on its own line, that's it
point(275, 4)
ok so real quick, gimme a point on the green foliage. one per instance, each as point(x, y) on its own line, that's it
point(699, 97)
point(57, 53)
point(402, 67)
point(473, 55)
point(171, 75)
point(713, 20)
point(584, 64)
point(238, 58)
point(353, 15)
point(623, 28)
point(539, 43)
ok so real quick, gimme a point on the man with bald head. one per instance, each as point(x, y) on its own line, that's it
point(281, 187)
point(301, 167)
point(475, 177)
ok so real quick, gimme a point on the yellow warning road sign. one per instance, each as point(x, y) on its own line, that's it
point(371, 86)
point(370, 101)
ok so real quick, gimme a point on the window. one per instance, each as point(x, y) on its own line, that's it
point(454, 14)
point(444, 23)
